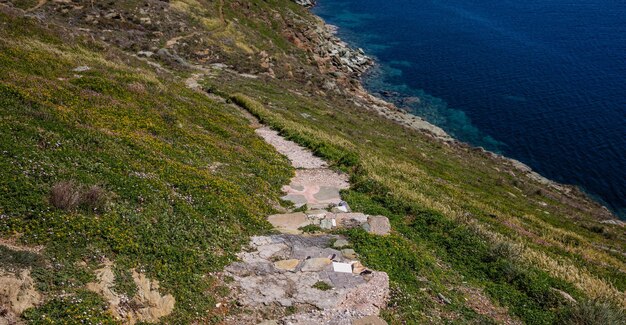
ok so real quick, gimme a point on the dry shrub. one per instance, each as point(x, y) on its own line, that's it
point(65, 195)
point(94, 198)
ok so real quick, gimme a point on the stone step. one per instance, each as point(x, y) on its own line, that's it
point(317, 188)
point(289, 222)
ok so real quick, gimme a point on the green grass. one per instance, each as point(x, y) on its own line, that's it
point(12, 260)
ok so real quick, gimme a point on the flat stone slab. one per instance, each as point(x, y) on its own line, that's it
point(348, 220)
point(299, 157)
point(316, 264)
point(342, 267)
point(316, 188)
point(287, 265)
point(305, 252)
point(289, 222)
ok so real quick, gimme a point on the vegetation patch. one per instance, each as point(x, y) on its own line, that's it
point(321, 285)
point(81, 307)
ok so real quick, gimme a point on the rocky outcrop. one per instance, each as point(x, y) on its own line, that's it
point(286, 271)
point(329, 53)
point(306, 3)
point(147, 305)
point(17, 293)
point(343, 66)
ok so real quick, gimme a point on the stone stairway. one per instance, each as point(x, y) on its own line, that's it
point(301, 278)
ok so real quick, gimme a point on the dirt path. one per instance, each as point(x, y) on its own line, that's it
point(37, 6)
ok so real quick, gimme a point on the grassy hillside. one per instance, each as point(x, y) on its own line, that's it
point(109, 156)
point(180, 181)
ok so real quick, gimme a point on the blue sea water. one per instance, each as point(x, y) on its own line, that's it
point(540, 81)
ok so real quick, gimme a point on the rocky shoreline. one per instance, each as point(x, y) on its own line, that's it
point(346, 66)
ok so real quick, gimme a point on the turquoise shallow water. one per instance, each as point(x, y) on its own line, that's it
point(543, 82)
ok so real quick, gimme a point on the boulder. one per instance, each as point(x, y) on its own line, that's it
point(378, 225)
point(350, 220)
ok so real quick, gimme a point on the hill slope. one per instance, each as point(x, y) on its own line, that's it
point(109, 158)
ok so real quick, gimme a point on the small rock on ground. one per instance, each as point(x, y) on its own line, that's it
point(378, 225)
point(287, 265)
point(340, 243)
point(349, 253)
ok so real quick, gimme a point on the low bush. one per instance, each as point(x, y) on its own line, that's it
point(65, 195)
point(94, 198)
point(68, 196)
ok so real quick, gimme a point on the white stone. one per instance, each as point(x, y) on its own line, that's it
point(342, 267)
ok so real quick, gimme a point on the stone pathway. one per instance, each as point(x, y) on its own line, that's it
point(301, 272)
point(317, 277)
point(297, 278)
point(315, 184)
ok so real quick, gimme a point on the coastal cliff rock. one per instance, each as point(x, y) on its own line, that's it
point(332, 55)
point(306, 3)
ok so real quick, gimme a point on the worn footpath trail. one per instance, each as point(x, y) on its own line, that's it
point(297, 277)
